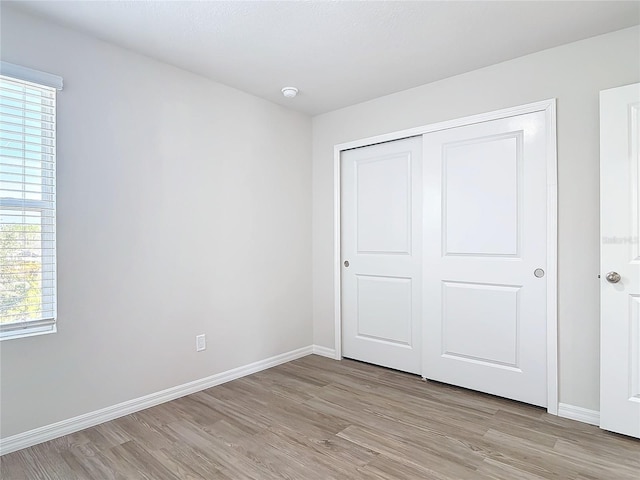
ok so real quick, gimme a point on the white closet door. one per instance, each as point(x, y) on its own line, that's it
point(485, 257)
point(620, 260)
point(382, 254)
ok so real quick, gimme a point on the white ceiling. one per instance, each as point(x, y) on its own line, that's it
point(337, 53)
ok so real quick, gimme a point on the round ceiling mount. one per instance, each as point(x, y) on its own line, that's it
point(289, 92)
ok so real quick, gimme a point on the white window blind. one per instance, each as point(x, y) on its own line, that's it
point(27, 206)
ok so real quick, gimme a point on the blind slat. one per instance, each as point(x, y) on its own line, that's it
point(22, 116)
point(12, 138)
point(10, 97)
point(27, 129)
point(28, 179)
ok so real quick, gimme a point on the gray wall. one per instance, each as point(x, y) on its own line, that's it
point(574, 74)
point(184, 207)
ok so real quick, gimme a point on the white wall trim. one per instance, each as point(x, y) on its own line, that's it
point(547, 106)
point(540, 106)
point(337, 254)
point(71, 425)
point(552, 259)
point(578, 413)
point(325, 352)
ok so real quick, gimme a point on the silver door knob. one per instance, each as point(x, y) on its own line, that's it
point(613, 277)
point(346, 263)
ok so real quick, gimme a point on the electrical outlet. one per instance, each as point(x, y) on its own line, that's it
point(201, 343)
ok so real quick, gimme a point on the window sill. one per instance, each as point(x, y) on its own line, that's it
point(28, 332)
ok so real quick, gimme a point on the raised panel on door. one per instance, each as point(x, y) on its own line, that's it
point(619, 224)
point(485, 235)
point(634, 348)
point(381, 205)
point(383, 209)
point(465, 307)
point(481, 197)
point(384, 309)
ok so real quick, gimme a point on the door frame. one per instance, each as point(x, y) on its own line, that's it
point(549, 108)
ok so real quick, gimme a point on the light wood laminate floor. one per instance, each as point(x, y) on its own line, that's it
point(316, 418)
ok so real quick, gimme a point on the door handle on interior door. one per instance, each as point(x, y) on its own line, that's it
point(613, 277)
point(346, 263)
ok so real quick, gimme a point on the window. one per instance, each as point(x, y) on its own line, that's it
point(27, 201)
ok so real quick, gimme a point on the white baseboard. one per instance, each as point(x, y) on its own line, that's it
point(71, 425)
point(578, 413)
point(324, 351)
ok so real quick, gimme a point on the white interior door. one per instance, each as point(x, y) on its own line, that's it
point(620, 260)
point(382, 254)
point(485, 241)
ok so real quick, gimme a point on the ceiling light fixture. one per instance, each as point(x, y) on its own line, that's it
point(289, 92)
